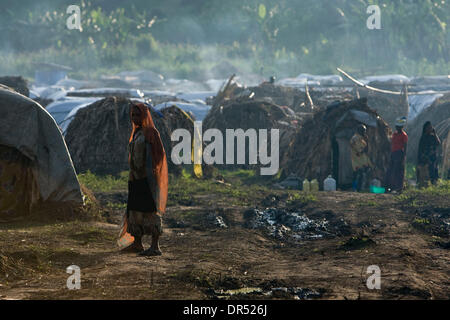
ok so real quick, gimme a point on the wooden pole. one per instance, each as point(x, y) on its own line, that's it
point(309, 100)
point(397, 93)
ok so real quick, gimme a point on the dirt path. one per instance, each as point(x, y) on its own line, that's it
point(199, 258)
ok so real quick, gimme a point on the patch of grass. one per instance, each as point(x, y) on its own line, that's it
point(437, 195)
point(442, 188)
point(186, 174)
point(414, 203)
point(410, 171)
point(239, 173)
point(357, 243)
point(248, 177)
point(421, 224)
point(236, 190)
point(421, 221)
point(116, 206)
point(98, 183)
point(298, 198)
point(187, 214)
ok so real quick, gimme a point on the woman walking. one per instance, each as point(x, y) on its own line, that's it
point(147, 185)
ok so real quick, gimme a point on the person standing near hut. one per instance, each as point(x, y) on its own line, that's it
point(427, 160)
point(361, 163)
point(396, 173)
point(147, 185)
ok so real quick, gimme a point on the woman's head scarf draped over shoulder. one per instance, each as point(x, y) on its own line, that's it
point(159, 159)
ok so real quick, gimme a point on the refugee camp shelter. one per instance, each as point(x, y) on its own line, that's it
point(49, 73)
point(18, 83)
point(252, 114)
point(35, 165)
point(322, 146)
point(439, 116)
point(98, 136)
point(388, 106)
point(443, 131)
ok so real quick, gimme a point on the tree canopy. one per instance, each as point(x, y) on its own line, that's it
point(317, 34)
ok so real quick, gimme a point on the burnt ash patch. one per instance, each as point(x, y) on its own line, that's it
point(294, 225)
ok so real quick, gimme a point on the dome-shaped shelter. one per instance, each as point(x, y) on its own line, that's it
point(437, 114)
point(35, 165)
point(98, 136)
point(322, 146)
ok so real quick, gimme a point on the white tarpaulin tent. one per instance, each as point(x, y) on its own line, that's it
point(63, 111)
point(388, 78)
point(418, 103)
point(28, 128)
point(199, 110)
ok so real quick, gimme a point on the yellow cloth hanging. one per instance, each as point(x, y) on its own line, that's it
point(197, 167)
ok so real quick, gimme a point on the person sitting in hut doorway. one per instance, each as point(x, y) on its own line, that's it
point(427, 160)
point(148, 183)
point(361, 163)
point(396, 172)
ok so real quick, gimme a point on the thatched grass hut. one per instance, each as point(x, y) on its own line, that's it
point(98, 136)
point(321, 147)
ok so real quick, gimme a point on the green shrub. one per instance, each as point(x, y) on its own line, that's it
point(98, 183)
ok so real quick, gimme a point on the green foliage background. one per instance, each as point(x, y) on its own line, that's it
point(186, 38)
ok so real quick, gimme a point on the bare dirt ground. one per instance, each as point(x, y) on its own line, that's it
point(200, 259)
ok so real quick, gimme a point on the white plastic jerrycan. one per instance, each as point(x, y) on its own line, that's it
point(329, 184)
point(376, 183)
point(314, 186)
point(306, 186)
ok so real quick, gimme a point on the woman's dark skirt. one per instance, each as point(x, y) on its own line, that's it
point(396, 171)
point(140, 196)
point(141, 210)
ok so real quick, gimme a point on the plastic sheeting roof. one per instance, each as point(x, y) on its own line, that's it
point(390, 78)
point(29, 128)
point(198, 110)
point(418, 103)
point(323, 80)
point(63, 111)
point(360, 116)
